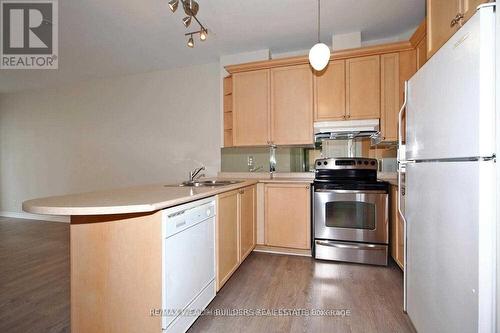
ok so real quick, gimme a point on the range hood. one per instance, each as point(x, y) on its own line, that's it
point(346, 129)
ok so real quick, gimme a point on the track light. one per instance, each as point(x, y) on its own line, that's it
point(203, 34)
point(173, 4)
point(190, 42)
point(186, 21)
point(190, 8)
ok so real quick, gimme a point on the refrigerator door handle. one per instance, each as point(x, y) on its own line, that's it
point(401, 147)
point(401, 192)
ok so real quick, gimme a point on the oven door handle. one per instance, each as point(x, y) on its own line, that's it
point(351, 246)
point(351, 191)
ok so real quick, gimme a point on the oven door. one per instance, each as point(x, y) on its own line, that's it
point(351, 215)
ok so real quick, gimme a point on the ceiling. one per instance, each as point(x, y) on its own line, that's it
point(118, 37)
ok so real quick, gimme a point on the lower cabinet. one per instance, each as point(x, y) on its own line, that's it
point(287, 216)
point(235, 230)
point(396, 229)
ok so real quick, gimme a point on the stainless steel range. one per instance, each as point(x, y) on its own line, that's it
point(350, 211)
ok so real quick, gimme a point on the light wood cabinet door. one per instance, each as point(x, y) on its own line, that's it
point(251, 108)
point(227, 236)
point(396, 238)
point(292, 105)
point(389, 69)
point(407, 68)
point(287, 215)
point(329, 92)
point(440, 13)
point(363, 87)
point(468, 8)
point(247, 221)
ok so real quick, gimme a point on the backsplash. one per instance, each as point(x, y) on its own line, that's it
point(297, 159)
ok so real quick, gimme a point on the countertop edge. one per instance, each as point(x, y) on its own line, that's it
point(30, 206)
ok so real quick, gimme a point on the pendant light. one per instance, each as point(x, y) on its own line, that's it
point(319, 55)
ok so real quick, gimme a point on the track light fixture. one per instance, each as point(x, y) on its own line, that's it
point(173, 4)
point(186, 21)
point(203, 34)
point(190, 8)
point(190, 42)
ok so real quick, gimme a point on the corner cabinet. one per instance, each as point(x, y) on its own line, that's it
point(287, 215)
point(444, 18)
point(292, 105)
point(235, 230)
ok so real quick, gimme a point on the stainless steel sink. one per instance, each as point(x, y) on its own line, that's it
point(206, 183)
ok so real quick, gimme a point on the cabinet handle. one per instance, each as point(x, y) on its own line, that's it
point(242, 191)
point(307, 187)
point(456, 20)
point(348, 116)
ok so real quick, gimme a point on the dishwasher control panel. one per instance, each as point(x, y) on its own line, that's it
point(176, 219)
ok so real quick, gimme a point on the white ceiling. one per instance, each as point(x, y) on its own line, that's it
point(116, 37)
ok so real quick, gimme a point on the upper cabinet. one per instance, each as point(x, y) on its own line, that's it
point(389, 95)
point(329, 92)
point(363, 87)
point(292, 105)
point(444, 18)
point(251, 101)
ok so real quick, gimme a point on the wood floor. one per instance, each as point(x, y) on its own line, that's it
point(34, 289)
point(34, 276)
point(373, 295)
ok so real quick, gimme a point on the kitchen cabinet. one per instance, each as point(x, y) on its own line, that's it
point(363, 87)
point(292, 105)
point(389, 70)
point(287, 216)
point(235, 230)
point(247, 221)
point(421, 53)
point(251, 108)
point(444, 18)
point(329, 92)
point(228, 111)
point(396, 229)
point(227, 236)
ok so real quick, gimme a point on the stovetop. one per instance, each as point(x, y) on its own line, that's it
point(348, 174)
point(352, 185)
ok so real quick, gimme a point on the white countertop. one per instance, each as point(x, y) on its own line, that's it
point(138, 199)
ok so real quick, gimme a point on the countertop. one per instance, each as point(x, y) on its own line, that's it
point(390, 177)
point(138, 199)
point(150, 198)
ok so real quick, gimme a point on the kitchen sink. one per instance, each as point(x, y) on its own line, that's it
point(206, 183)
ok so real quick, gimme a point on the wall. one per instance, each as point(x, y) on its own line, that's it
point(140, 129)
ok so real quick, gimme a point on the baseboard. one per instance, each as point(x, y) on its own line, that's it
point(29, 216)
point(282, 250)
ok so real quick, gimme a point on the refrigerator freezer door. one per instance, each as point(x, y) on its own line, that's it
point(450, 213)
point(451, 110)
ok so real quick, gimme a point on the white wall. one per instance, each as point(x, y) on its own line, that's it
point(140, 129)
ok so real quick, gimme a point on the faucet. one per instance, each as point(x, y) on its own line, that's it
point(195, 172)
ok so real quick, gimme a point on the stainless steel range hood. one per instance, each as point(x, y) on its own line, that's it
point(346, 129)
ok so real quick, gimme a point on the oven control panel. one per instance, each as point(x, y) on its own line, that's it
point(355, 163)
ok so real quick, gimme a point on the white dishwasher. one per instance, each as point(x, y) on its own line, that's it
point(188, 263)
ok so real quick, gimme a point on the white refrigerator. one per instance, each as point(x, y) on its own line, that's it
point(448, 170)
